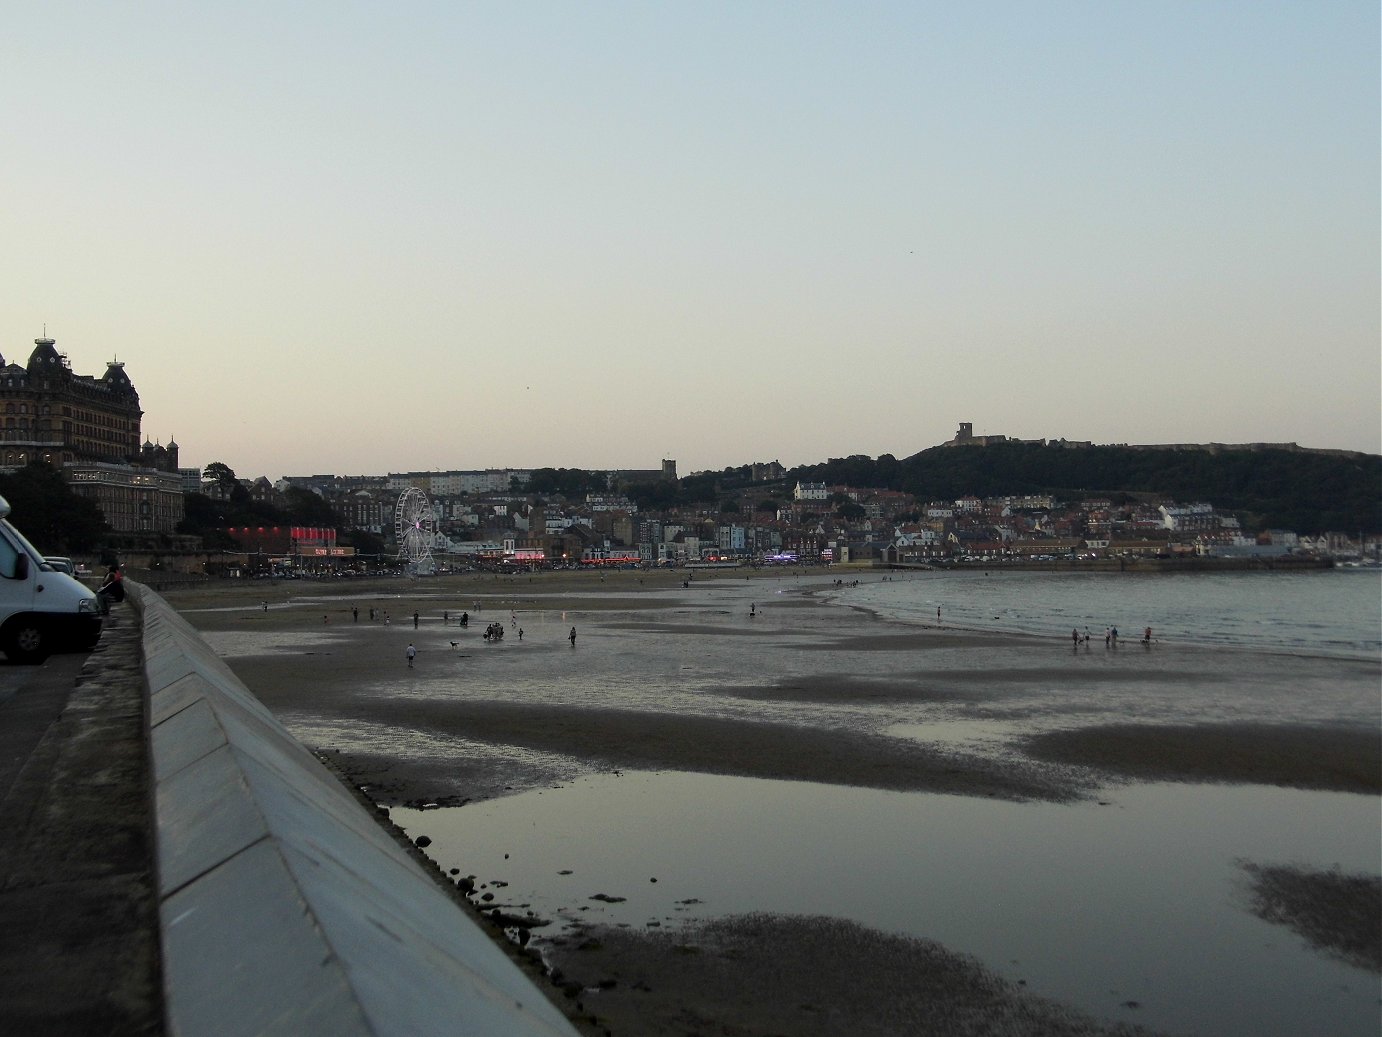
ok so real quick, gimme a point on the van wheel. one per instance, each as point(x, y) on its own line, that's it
point(24, 641)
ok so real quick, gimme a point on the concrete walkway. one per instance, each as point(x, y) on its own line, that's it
point(78, 912)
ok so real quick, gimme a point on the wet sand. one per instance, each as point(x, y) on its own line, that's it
point(1339, 759)
point(349, 671)
point(802, 975)
point(1334, 912)
point(475, 721)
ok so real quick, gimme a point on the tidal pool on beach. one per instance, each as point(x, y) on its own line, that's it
point(230, 644)
point(1133, 907)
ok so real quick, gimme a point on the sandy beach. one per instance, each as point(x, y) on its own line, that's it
point(666, 677)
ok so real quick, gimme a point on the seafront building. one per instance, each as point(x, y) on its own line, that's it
point(89, 428)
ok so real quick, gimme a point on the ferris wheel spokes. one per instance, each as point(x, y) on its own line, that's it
point(414, 531)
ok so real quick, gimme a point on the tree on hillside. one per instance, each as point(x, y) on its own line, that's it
point(207, 518)
point(221, 474)
point(1304, 491)
point(1307, 491)
point(224, 477)
point(699, 489)
point(653, 495)
point(886, 471)
point(364, 542)
point(566, 482)
point(306, 508)
point(56, 520)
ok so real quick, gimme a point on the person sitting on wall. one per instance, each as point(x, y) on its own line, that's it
point(112, 588)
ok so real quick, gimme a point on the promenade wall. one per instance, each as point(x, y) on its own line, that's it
point(284, 907)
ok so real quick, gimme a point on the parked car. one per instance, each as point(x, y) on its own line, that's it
point(59, 564)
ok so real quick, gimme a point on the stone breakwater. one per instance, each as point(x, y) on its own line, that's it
point(283, 905)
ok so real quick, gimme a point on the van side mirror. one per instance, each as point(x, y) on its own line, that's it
point(21, 567)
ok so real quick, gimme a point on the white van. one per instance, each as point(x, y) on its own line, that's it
point(41, 610)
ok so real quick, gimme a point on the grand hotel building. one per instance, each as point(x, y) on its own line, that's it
point(89, 429)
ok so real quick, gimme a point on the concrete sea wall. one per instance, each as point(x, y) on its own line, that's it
point(284, 907)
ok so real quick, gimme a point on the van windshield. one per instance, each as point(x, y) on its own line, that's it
point(9, 554)
point(24, 545)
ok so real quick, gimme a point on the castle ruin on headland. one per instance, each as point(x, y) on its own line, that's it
point(965, 437)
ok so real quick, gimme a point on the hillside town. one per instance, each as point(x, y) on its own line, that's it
point(88, 428)
point(490, 519)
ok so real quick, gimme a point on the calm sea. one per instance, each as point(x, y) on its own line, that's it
point(1335, 612)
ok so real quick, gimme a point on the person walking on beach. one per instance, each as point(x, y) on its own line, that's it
point(355, 613)
point(1147, 636)
point(371, 615)
point(1113, 633)
point(1075, 636)
point(415, 620)
point(412, 652)
point(520, 633)
point(572, 637)
point(938, 615)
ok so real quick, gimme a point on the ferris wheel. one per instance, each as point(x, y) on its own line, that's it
point(414, 528)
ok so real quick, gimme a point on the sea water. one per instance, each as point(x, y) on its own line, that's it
point(1335, 611)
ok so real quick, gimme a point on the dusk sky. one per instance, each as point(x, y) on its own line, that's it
point(362, 238)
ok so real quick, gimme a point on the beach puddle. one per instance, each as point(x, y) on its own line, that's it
point(232, 644)
point(1133, 908)
point(970, 735)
